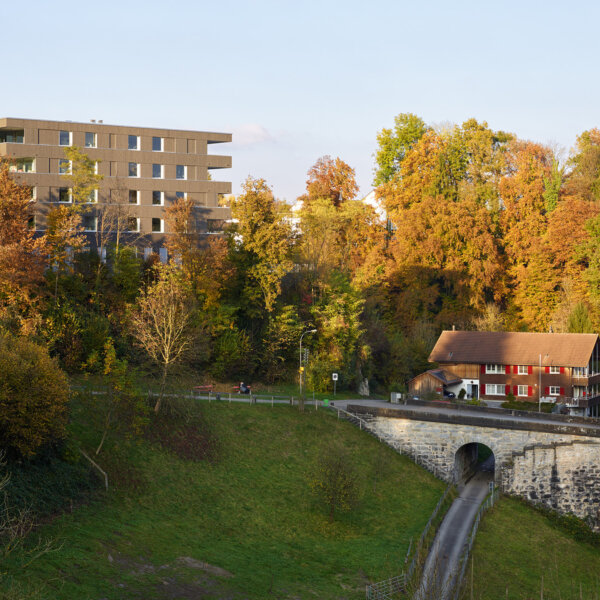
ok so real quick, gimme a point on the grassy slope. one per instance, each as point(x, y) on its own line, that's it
point(251, 514)
point(516, 545)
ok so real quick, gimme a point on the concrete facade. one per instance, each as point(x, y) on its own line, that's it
point(558, 470)
point(167, 164)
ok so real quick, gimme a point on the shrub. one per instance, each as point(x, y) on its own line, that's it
point(34, 394)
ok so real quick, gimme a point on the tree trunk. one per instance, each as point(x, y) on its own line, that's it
point(163, 382)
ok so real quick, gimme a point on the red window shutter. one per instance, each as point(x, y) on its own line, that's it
point(482, 369)
point(562, 391)
point(515, 390)
point(529, 391)
point(546, 391)
point(507, 369)
point(547, 369)
point(562, 370)
point(530, 369)
point(515, 369)
point(507, 389)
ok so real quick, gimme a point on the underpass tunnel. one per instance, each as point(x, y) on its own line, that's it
point(472, 458)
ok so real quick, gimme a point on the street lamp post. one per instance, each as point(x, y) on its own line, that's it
point(300, 363)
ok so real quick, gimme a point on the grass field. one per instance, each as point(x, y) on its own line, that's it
point(243, 526)
point(516, 547)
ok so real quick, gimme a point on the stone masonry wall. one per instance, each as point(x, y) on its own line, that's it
point(561, 471)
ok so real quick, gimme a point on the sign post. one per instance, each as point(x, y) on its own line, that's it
point(334, 376)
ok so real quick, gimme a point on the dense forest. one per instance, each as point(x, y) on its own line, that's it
point(483, 231)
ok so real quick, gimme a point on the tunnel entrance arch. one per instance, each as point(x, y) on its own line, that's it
point(471, 458)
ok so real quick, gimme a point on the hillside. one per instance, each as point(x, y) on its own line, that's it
point(517, 546)
point(243, 524)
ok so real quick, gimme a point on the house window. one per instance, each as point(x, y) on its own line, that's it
point(33, 194)
point(180, 172)
point(133, 142)
point(157, 144)
point(134, 197)
point(64, 138)
point(64, 166)
point(157, 171)
point(554, 390)
point(495, 389)
point(181, 195)
point(554, 370)
point(158, 198)
point(64, 195)
point(523, 370)
point(491, 369)
point(11, 136)
point(93, 196)
point(96, 167)
point(134, 170)
point(91, 140)
point(90, 223)
point(523, 390)
point(31, 222)
point(23, 165)
point(133, 224)
point(157, 225)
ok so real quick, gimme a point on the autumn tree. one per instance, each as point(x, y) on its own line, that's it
point(331, 178)
point(34, 395)
point(162, 322)
point(264, 243)
point(22, 256)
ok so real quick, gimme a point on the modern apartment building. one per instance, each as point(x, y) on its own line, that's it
point(144, 170)
point(551, 367)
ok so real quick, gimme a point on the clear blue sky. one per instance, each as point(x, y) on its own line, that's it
point(297, 80)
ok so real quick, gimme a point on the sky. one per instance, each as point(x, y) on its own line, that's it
point(294, 81)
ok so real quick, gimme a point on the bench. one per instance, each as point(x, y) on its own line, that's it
point(203, 388)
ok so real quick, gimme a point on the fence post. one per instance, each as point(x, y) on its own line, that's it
point(271, 401)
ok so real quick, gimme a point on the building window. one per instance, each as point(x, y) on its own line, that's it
point(554, 370)
point(133, 142)
point(492, 369)
point(134, 170)
point(495, 389)
point(580, 372)
point(523, 370)
point(90, 223)
point(133, 224)
point(11, 136)
point(134, 197)
point(157, 144)
point(31, 222)
point(180, 172)
point(158, 198)
point(64, 195)
point(64, 138)
point(181, 195)
point(157, 225)
point(64, 166)
point(523, 390)
point(91, 141)
point(554, 390)
point(23, 165)
point(96, 167)
point(157, 171)
point(33, 193)
point(93, 196)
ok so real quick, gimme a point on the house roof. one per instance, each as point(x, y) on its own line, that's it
point(514, 348)
point(443, 375)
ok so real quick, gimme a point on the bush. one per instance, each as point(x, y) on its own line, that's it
point(34, 394)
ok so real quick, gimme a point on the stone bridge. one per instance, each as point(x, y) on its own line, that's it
point(553, 463)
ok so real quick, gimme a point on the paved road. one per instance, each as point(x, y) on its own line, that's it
point(441, 566)
point(506, 416)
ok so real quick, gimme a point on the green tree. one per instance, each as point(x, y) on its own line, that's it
point(579, 320)
point(393, 144)
point(263, 243)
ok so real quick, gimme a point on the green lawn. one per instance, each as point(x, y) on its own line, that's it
point(516, 546)
point(250, 512)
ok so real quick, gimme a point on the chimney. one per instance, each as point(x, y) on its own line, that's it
point(100, 121)
point(92, 120)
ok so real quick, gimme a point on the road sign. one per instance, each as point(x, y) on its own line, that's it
point(334, 376)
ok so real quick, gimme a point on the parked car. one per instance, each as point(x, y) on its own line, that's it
point(449, 394)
